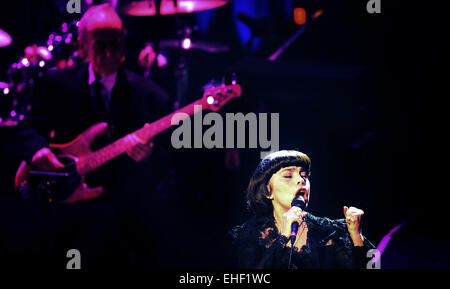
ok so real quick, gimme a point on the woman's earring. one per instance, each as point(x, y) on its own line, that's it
point(269, 196)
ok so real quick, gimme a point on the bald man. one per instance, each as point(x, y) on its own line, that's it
point(101, 37)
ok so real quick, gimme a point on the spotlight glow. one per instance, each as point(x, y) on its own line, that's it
point(25, 62)
point(210, 100)
point(299, 16)
point(188, 5)
point(186, 43)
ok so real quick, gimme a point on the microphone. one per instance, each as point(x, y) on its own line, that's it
point(299, 202)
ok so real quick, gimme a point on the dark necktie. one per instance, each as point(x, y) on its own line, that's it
point(99, 100)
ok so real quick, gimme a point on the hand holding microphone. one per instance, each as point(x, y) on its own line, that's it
point(292, 218)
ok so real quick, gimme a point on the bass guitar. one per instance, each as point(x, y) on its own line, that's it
point(68, 185)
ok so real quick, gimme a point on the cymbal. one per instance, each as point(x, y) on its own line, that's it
point(5, 39)
point(210, 47)
point(147, 7)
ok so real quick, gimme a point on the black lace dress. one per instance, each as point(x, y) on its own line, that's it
point(258, 245)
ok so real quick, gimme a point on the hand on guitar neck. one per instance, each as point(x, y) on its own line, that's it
point(142, 149)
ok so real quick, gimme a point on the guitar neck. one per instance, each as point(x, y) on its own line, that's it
point(94, 160)
point(157, 127)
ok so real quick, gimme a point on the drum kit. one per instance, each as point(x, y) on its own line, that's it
point(61, 51)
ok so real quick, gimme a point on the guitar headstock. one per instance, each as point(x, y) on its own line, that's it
point(215, 97)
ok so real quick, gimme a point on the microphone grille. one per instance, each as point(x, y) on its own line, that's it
point(298, 201)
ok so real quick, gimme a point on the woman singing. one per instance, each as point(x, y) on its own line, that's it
point(264, 240)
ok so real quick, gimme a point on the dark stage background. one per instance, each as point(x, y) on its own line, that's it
point(358, 92)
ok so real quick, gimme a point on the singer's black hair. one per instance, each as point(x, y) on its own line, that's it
point(257, 192)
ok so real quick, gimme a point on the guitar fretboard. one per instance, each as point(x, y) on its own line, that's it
point(94, 160)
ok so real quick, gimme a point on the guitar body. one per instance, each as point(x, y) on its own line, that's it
point(73, 188)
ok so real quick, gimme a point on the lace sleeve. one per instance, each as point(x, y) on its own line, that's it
point(348, 255)
point(360, 258)
point(252, 249)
